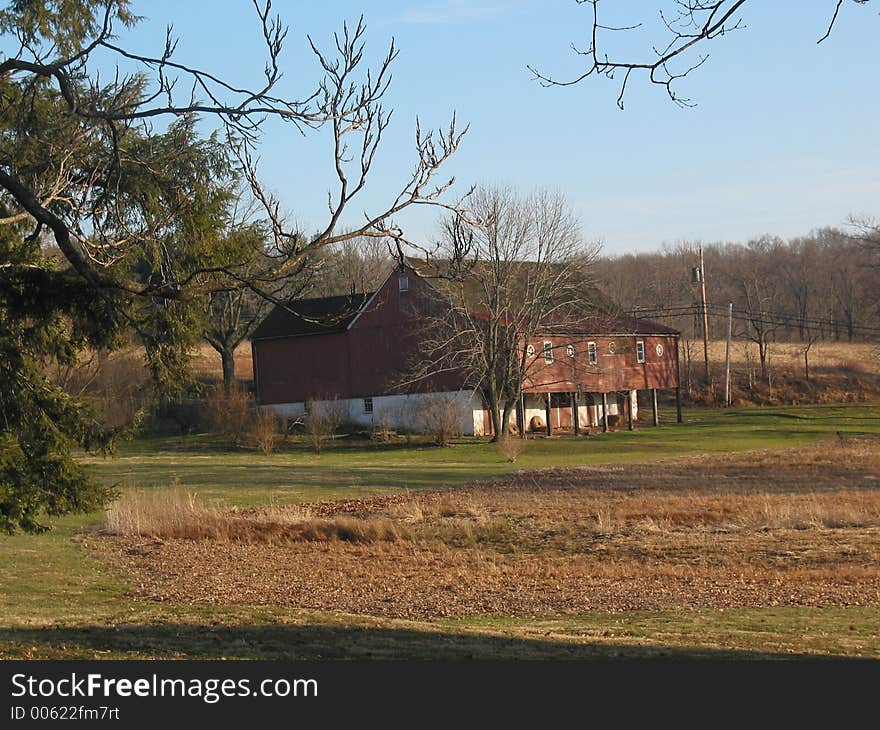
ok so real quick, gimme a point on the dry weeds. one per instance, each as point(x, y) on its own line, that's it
point(510, 446)
point(175, 514)
point(265, 430)
point(794, 527)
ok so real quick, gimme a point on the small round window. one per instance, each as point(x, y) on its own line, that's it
point(569, 350)
point(659, 350)
point(530, 351)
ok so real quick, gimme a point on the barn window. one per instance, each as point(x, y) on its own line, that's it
point(659, 349)
point(548, 351)
point(569, 350)
point(403, 283)
point(592, 353)
point(530, 351)
point(640, 351)
point(368, 405)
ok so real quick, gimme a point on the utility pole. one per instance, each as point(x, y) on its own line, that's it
point(701, 280)
point(727, 355)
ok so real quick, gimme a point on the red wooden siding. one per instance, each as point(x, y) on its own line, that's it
point(371, 357)
point(368, 359)
point(616, 367)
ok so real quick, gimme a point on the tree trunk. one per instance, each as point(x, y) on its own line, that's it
point(492, 402)
point(227, 357)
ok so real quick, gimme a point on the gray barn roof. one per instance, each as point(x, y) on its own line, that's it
point(310, 316)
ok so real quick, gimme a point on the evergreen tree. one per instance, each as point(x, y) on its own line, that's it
point(116, 176)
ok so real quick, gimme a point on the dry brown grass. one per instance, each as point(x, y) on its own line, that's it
point(174, 514)
point(839, 372)
point(207, 366)
point(794, 527)
point(858, 357)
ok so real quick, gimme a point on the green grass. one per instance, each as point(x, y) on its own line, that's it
point(351, 468)
point(55, 601)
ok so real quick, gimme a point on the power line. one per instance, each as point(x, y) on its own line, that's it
point(767, 318)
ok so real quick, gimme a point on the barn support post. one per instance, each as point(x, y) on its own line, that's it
point(678, 416)
point(575, 416)
point(655, 411)
point(548, 411)
point(604, 412)
point(629, 409)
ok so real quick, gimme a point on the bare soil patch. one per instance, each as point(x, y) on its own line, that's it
point(796, 527)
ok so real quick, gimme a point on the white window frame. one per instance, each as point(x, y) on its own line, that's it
point(530, 350)
point(570, 351)
point(548, 352)
point(368, 405)
point(640, 351)
point(403, 282)
point(593, 353)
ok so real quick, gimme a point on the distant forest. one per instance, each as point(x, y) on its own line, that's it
point(823, 286)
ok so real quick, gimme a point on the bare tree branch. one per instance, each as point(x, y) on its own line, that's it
point(690, 24)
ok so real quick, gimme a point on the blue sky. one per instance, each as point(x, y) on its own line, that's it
point(783, 138)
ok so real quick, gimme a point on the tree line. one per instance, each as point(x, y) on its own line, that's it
point(824, 285)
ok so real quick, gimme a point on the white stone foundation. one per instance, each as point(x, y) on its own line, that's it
point(400, 412)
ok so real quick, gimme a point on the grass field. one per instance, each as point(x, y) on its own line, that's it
point(60, 598)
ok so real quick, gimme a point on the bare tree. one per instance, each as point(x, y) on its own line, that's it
point(356, 266)
point(231, 315)
point(79, 192)
point(759, 288)
point(689, 26)
point(809, 338)
point(516, 269)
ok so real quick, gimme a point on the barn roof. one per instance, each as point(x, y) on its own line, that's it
point(463, 282)
point(310, 316)
point(603, 318)
point(602, 324)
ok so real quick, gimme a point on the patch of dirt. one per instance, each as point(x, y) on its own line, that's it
point(794, 527)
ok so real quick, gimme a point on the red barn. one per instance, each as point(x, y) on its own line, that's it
point(354, 351)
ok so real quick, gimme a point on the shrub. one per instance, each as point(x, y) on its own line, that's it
point(382, 430)
point(440, 418)
point(265, 430)
point(229, 409)
point(320, 422)
point(510, 446)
